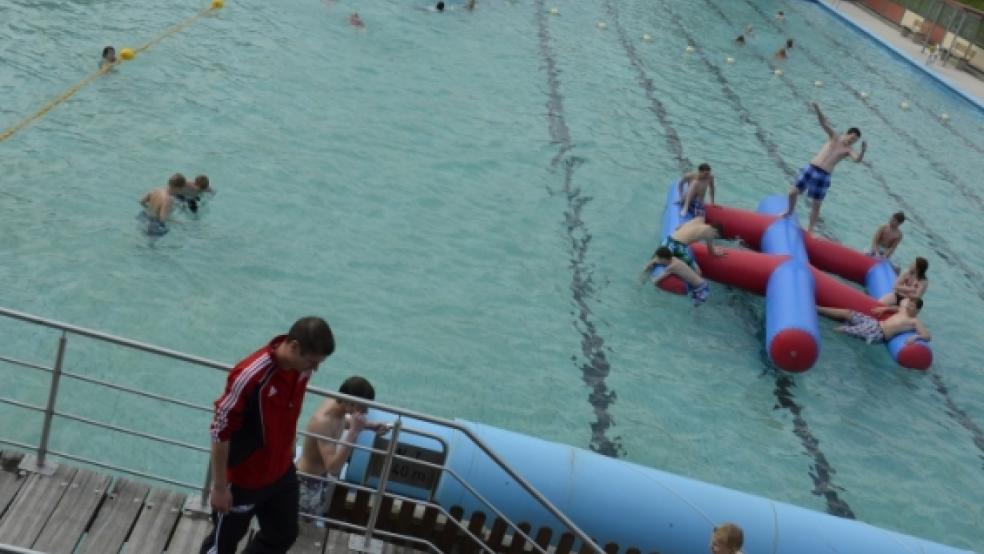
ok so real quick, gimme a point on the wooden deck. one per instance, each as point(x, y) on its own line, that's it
point(79, 510)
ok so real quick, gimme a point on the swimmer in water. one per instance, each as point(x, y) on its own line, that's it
point(194, 193)
point(159, 203)
point(470, 4)
point(783, 52)
point(740, 40)
point(439, 6)
point(108, 57)
point(887, 237)
point(356, 21)
point(780, 17)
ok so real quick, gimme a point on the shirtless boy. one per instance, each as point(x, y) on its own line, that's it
point(674, 254)
point(815, 177)
point(699, 183)
point(872, 331)
point(159, 202)
point(323, 457)
point(887, 237)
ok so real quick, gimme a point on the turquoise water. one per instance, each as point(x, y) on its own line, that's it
point(399, 181)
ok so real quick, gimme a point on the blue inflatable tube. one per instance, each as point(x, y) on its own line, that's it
point(792, 329)
point(619, 502)
point(880, 281)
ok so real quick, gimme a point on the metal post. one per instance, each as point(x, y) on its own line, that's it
point(40, 465)
point(367, 543)
point(932, 27)
point(198, 506)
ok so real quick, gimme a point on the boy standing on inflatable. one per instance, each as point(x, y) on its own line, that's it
point(698, 183)
point(815, 177)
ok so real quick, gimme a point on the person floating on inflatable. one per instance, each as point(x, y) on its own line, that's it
point(699, 183)
point(887, 237)
point(911, 283)
point(872, 331)
point(675, 255)
point(814, 179)
point(783, 52)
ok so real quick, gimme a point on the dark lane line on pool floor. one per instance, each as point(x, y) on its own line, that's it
point(952, 410)
point(965, 190)
point(595, 367)
point(821, 471)
point(887, 82)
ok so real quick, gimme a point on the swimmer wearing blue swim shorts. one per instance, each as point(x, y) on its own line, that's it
point(814, 179)
point(159, 203)
point(698, 184)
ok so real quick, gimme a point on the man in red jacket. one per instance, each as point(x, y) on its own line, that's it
point(253, 441)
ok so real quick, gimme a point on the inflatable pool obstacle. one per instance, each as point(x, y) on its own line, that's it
point(792, 270)
point(623, 506)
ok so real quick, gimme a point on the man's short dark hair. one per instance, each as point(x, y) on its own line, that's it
point(358, 386)
point(664, 253)
point(313, 336)
point(899, 216)
point(854, 131)
point(704, 167)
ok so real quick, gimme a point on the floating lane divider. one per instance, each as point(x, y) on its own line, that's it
point(125, 54)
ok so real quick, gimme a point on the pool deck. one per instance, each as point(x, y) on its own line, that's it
point(963, 83)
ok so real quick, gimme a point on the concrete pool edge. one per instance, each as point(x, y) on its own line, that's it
point(957, 89)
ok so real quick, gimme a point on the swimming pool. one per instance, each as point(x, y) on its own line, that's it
point(468, 199)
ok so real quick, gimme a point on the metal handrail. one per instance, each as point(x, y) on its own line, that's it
point(50, 412)
point(10, 549)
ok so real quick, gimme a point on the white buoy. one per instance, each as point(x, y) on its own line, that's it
point(818, 83)
point(904, 105)
point(944, 116)
point(554, 11)
point(777, 72)
point(863, 94)
point(690, 48)
point(602, 25)
point(729, 59)
point(647, 37)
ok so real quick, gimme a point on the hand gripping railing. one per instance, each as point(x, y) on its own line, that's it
point(50, 411)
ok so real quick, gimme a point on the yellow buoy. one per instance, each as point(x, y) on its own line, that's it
point(729, 59)
point(818, 83)
point(690, 48)
point(777, 72)
point(904, 105)
point(127, 53)
point(217, 4)
point(602, 25)
point(554, 11)
point(647, 37)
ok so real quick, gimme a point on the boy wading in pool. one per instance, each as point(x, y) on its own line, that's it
point(159, 203)
point(815, 177)
point(872, 331)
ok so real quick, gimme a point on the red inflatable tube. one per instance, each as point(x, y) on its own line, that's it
point(838, 259)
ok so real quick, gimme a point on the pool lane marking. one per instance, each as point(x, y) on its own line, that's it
point(596, 367)
point(966, 191)
point(957, 413)
point(63, 97)
point(822, 472)
point(885, 80)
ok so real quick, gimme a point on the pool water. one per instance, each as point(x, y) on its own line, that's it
point(468, 199)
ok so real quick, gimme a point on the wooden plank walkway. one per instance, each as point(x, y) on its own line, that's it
point(83, 511)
